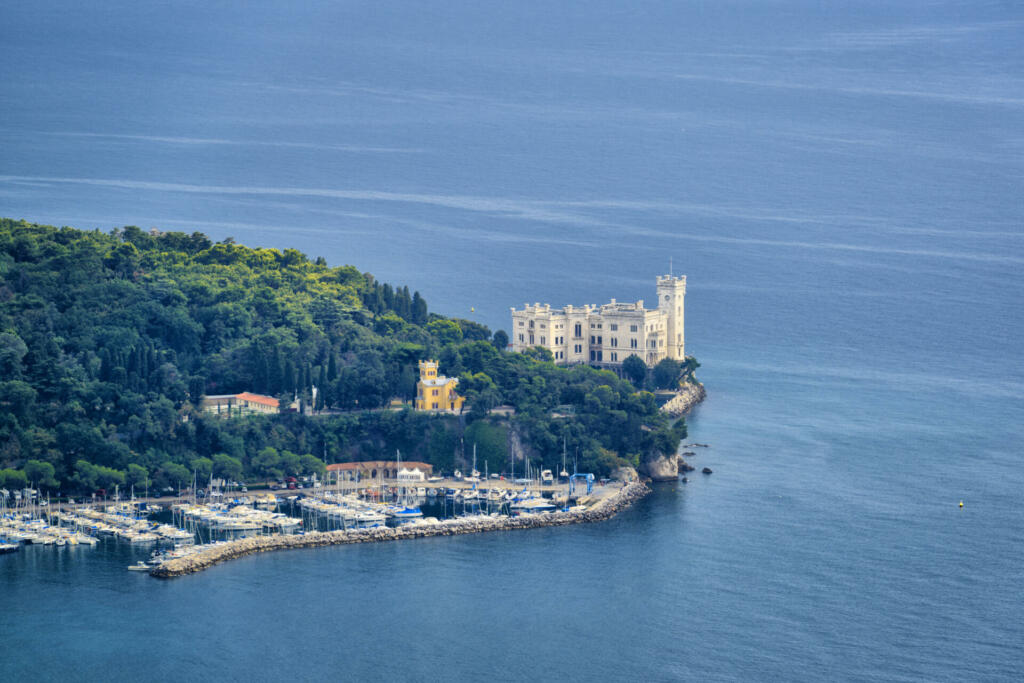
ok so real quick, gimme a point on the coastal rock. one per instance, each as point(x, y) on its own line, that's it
point(625, 473)
point(706, 470)
point(685, 466)
point(661, 468)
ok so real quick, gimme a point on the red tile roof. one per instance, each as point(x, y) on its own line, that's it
point(258, 398)
point(379, 464)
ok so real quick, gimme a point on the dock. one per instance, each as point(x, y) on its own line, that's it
point(609, 503)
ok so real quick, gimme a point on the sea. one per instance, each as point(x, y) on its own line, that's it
point(842, 183)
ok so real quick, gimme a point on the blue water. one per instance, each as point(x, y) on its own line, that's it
point(841, 183)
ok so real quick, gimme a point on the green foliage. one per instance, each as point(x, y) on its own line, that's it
point(40, 473)
point(108, 341)
point(92, 477)
point(12, 479)
point(312, 465)
point(226, 467)
point(491, 440)
point(665, 374)
point(441, 449)
point(202, 469)
point(447, 331)
point(635, 370)
point(137, 475)
point(174, 475)
point(267, 463)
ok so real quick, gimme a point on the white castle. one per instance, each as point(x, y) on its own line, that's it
point(608, 334)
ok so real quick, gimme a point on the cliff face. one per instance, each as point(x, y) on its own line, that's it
point(687, 397)
point(661, 467)
point(624, 473)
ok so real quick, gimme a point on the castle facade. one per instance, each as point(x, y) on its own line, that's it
point(606, 335)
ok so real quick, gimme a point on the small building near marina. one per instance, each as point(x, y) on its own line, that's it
point(370, 470)
point(238, 405)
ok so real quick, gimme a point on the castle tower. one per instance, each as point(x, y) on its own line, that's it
point(428, 369)
point(671, 293)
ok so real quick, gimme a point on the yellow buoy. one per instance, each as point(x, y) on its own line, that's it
point(961, 503)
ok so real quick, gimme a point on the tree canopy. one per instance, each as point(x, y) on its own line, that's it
point(108, 341)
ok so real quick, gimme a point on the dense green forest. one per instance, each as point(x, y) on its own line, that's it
point(107, 341)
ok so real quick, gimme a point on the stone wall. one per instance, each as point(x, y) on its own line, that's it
point(687, 397)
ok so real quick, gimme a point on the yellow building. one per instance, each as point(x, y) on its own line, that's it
point(437, 392)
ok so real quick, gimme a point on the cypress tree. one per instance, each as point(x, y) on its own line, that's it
point(332, 367)
point(106, 364)
point(419, 309)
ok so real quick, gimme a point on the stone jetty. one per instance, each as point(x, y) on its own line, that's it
point(602, 509)
point(687, 397)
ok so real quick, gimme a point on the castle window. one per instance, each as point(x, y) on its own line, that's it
point(613, 327)
point(632, 343)
point(579, 330)
point(632, 328)
point(615, 356)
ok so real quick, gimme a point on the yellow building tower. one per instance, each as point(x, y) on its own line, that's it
point(436, 392)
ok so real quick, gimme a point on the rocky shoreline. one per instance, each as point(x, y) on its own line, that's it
point(668, 467)
point(687, 397)
point(601, 510)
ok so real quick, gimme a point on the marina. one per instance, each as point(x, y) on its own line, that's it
point(605, 506)
point(178, 529)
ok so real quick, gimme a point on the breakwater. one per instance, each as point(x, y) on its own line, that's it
point(601, 510)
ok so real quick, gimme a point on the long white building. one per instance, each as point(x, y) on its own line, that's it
point(608, 334)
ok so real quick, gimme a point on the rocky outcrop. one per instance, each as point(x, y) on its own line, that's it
point(601, 510)
point(687, 397)
point(661, 468)
point(683, 465)
point(625, 473)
